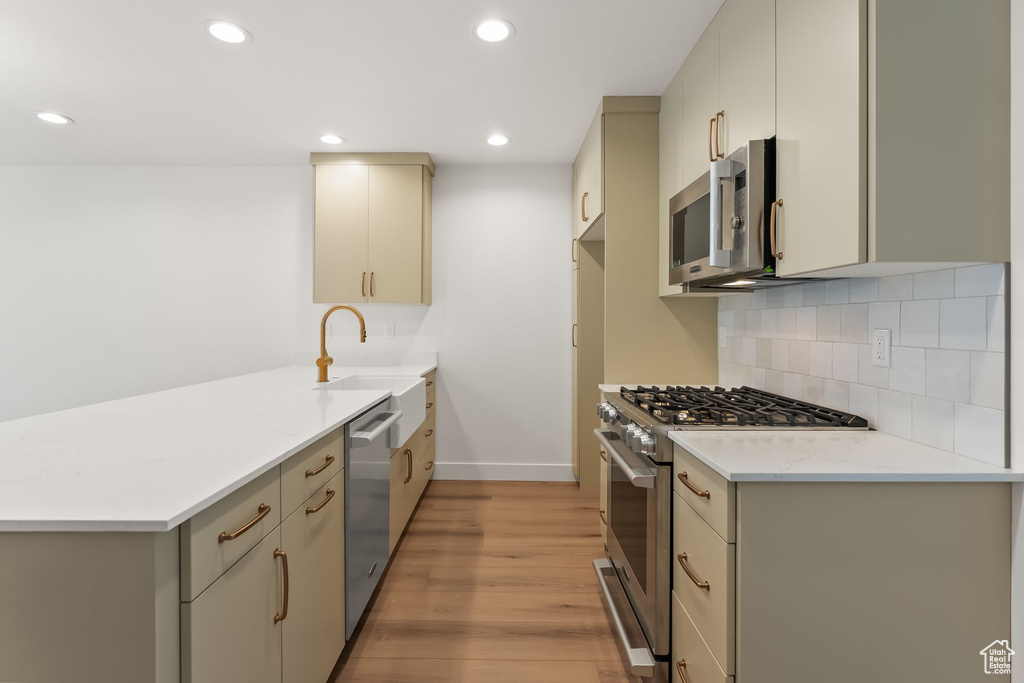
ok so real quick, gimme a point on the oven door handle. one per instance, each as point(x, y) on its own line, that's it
point(639, 476)
point(641, 659)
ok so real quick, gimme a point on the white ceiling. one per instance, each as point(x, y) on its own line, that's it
point(146, 85)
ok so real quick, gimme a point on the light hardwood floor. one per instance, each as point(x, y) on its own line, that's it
point(492, 582)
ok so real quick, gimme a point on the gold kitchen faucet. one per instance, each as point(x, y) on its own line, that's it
point(324, 360)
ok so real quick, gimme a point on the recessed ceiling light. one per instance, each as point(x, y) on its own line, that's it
point(226, 31)
point(331, 139)
point(498, 140)
point(494, 30)
point(51, 117)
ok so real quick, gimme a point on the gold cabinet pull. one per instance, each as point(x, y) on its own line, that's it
point(575, 258)
point(604, 455)
point(574, 326)
point(430, 466)
point(774, 229)
point(681, 669)
point(686, 481)
point(583, 207)
point(262, 511)
point(364, 283)
point(718, 133)
point(283, 614)
point(430, 382)
point(372, 293)
point(429, 432)
point(429, 406)
point(408, 469)
point(318, 508)
point(711, 129)
point(318, 470)
point(604, 518)
point(689, 572)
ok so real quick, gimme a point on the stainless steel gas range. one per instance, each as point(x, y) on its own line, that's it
point(636, 574)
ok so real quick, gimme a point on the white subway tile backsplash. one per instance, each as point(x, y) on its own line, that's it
point(988, 380)
point(908, 371)
point(853, 325)
point(947, 381)
point(980, 434)
point(937, 284)
point(885, 315)
point(845, 360)
point(933, 422)
point(962, 324)
point(829, 323)
point(863, 290)
point(895, 413)
point(919, 324)
point(896, 288)
point(988, 280)
point(948, 374)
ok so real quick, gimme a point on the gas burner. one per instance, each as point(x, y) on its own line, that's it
point(743, 407)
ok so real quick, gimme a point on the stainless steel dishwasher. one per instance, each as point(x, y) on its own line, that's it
point(367, 506)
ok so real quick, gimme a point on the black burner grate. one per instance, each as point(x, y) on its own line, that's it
point(743, 407)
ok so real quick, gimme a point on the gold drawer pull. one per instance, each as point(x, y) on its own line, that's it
point(604, 455)
point(430, 382)
point(318, 470)
point(408, 469)
point(283, 614)
point(429, 406)
point(696, 582)
point(604, 519)
point(318, 508)
point(700, 494)
point(430, 466)
point(262, 511)
point(681, 668)
point(429, 432)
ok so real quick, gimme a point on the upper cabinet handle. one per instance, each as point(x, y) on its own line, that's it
point(774, 229)
point(574, 335)
point(574, 242)
point(364, 283)
point(371, 284)
point(583, 207)
point(711, 131)
point(318, 470)
point(262, 511)
point(720, 116)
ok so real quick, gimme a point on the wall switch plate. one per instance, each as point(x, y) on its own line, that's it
point(881, 348)
point(389, 331)
point(723, 337)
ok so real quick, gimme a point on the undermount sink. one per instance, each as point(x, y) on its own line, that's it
point(408, 394)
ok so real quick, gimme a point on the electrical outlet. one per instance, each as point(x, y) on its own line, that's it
point(389, 331)
point(723, 337)
point(881, 348)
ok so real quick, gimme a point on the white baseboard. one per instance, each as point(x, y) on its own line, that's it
point(487, 471)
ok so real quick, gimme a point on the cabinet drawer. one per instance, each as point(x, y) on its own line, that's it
point(304, 473)
point(717, 505)
point(423, 470)
point(204, 557)
point(228, 633)
point(710, 560)
point(426, 431)
point(431, 378)
point(690, 654)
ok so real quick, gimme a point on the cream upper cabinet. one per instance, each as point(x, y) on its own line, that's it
point(372, 228)
point(700, 105)
point(588, 178)
point(670, 172)
point(746, 73)
point(821, 143)
point(891, 149)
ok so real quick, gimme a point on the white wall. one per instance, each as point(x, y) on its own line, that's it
point(500, 322)
point(1016, 407)
point(116, 281)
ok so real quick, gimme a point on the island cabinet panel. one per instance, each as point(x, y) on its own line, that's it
point(314, 632)
point(229, 633)
point(206, 549)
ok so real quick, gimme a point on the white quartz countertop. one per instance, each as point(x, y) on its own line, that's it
point(751, 455)
point(150, 462)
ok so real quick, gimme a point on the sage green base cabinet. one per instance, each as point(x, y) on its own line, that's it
point(842, 582)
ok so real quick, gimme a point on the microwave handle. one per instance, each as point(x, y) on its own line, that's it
point(719, 258)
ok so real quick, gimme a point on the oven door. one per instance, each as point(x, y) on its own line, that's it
point(639, 516)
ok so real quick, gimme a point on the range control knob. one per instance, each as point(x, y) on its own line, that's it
point(647, 443)
point(736, 222)
point(633, 435)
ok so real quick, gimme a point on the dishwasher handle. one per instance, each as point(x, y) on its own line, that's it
point(366, 438)
point(639, 476)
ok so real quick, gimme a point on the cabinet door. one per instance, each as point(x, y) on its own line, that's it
point(396, 234)
point(397, 513)
point(670, 172)
point(589, 173)
point(575, 374)
point(228, 633)
point(314, 632)
point(746, 72)
point(700, 103)
point(821, 123)
point(340, 219)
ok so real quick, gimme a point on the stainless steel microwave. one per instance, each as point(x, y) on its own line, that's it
point(718, 228)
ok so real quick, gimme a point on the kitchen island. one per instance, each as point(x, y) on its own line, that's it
point(150, 538)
